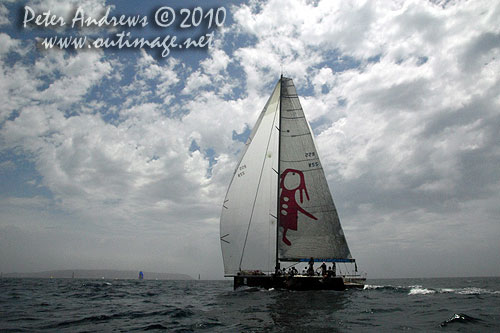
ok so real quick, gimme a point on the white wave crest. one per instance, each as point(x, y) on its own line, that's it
point(419, 290)
point(474, 291)
point(447, 290)
point(370, 286)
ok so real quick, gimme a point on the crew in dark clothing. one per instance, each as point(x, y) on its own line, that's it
point(323, 269)
point(310, 270)
point(329, 272)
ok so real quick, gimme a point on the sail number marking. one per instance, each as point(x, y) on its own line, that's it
point(241, 171)
point(312, 154)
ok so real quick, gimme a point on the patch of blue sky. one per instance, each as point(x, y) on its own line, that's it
point(243, 136)
point(208, 153)
point(45, 80)
point(341, 102)
point(19, 177)
point(422, 60)
point(12, 58)
point(236, 40)
point(194, 146)
point(320, 124)
point(305, 88)
point(16, 15)
point(211, 155)
point(374, 59)
point(237, 73)
point(338, 62)
point(111, 90)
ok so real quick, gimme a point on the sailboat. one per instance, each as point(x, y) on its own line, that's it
point(278, 209)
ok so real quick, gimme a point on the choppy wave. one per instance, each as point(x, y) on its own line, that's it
point(420, 290)
point(476, 291)
point(385, 288)
point(190, 306)
point(459, 318)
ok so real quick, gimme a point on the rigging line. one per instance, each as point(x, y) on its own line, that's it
point(258, 186)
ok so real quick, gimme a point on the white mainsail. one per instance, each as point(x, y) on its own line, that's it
point(308, 222)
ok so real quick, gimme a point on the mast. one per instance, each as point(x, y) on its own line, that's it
point(278, 186)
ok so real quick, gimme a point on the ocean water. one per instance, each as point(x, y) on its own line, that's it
point(78, 305)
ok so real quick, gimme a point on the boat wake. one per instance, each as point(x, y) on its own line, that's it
point(382, 288)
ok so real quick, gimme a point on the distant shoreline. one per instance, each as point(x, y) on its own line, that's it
point(98, 274)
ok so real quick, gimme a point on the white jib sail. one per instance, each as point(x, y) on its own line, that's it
point(309, 224)
point(248, 219)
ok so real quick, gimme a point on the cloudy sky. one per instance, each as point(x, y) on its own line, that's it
point(120, 159)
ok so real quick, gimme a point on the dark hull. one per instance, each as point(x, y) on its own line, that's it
point(290, 283)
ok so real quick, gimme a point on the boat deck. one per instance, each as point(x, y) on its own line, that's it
point(298, 282)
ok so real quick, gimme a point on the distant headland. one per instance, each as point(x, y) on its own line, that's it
point(98, 274)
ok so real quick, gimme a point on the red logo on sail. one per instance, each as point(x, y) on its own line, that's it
point(292, 181)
